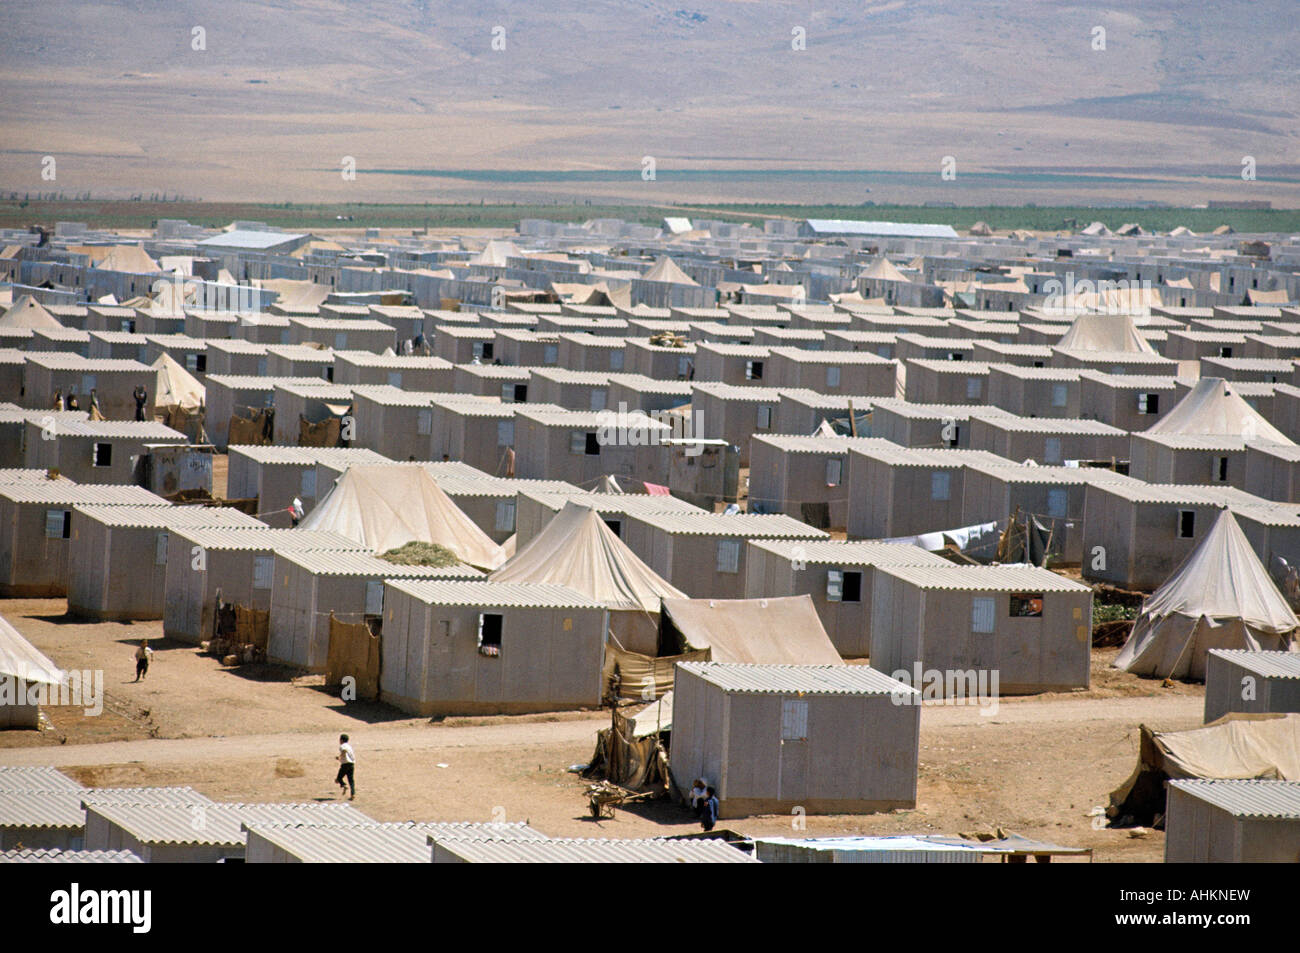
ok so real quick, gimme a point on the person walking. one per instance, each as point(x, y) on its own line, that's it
point(709, 813)
point(142, 656)
point(347, 767)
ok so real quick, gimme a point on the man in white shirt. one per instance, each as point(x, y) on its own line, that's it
point(143, 655)
point(347, 767)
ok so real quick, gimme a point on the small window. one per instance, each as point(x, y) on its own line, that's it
point(103, 455)
point(982, 614)
point(487, 351)
point(834, 471)
point(729, 555)
point(160, 548)
point(341, 341)
point(424, 421)
point(505, 433)
point(88, 383)
point(521, 393)
point(191, 362)
point(1148, 403)
point(1056, 503)
point(832, 377)
point(940, 485)
point(794, 719)
point(263, 571)
point(307, 485)
point(1026, 605)
point(973, 387)
point(505, 521)
point(764, 417)
point(955, 355)
point(683, 366)
point(1060, 395)
point(58, 524)
point(508, 393)
point(852, 586)
point(375, 597)
point(1187, 524)
point(1052, 450)
point(834, 585)
point(489, 634)
point(1220, 474)
point(591, 444)
point(551, 354)
point(753, 370)
point(261, 367)
point(395, 379)
point(598, 398)
point(577, 442)
point(1225, 352)
point(616, 360)
point(615, 526)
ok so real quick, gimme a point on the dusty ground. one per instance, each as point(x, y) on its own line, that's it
point(1037, 766)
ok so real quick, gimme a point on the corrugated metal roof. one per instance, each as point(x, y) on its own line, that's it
point(1275, 799)
point(968, 368)
point(1051, 425)
point(903, 408)
point(67, 361)
point(804, 356)
point(301, 352)
point(401, 843)
point(67, 493)
point(485, 485)
point(515, 595)
point(838, 226)
point(851, 553)
point(1267, 664)
point(216, 824)
point(593, 851)
point(20, 475)
point(797, 679)
point(629, 504)
point(56, 856)
point(279, 540)
point(831, 401)
point(34, 778)
point(309, 456)
point(1060, 476)
point(341, 324)
point(1114, 357)
point(832, 445)
point(162, 517)
point(419, 361)
point(771, 525)
point(63, 808)
point(166, 795)
point(328, 563)
point(252, 382)
point(148, 430)
point(985, 578)
point(931, 458)
point(1182, 441)
point(1067, 375)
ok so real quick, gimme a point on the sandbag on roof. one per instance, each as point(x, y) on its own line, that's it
point(1220, 597)
point(1214, 408)
point(577, 549)
point(386, 506)
point(1236, 746)
point(780, 631)
point(27, 312)
point(1105, 332)
point(21, 660)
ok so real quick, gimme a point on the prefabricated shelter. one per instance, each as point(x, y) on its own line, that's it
point(997, 354)
point(12, 366)
point(524, 347)
point(275, 476)
point(1273, 471)
point(1221, 597)
point(736, 364)
point(534, 509)
point(572, 390)
point(507, 384)
point(1255, 682)
point(735, 414)
point(298, 406)
point(309, 589)
point(463, 345)
point(1035, 391)
point(1047, 440)
point(906, 492)
point(1241, 369)
point(397, 424)
point(118, 556)
point(123, 345)
point(1025, 630)
point(946, 382)
point(56, 819)
point(595, 850)
point(411, 372)
point(489, 647)
point(637, 392)
point(190, 353)
point(168, 834)
point(1232, 822)
point(235, 565)
point(1127, 401)
point(837, 576)
point(245, 396)
point(1114, 362)
point(404, 842)
point(603, 353)
point(939, 348)
point(477, 431)
point(661, 362)
point(581, 447)
point(300, 360)
point(772, 739)
point(113, 381)
point(234, 357)
point(36, 527)
point(804, 477)
point(577, 550)
point(1052, 495)
point(386, 506)
point(95, 451)
point(13, 430)
point(801, 412)
point(833, 372)
point(704, 553)
point(365, 334)
point(926, 426)
point(25, 673)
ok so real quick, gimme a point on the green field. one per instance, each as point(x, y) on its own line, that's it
point(143, 214)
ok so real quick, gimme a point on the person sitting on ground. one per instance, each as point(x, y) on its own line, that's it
point(698, 793)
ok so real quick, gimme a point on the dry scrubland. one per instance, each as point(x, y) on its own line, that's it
point(1037, 766)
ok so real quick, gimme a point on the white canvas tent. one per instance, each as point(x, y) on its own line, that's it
point(1221, 597)
point(1105, 332)
point(665, 269)
point(386, 506)
point(775, 631)
point(1214, 408)
point(21, 665)
point(27, 312)
point(577, 549)
point(176, 390)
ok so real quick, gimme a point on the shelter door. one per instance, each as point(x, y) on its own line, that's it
point(792, 776)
